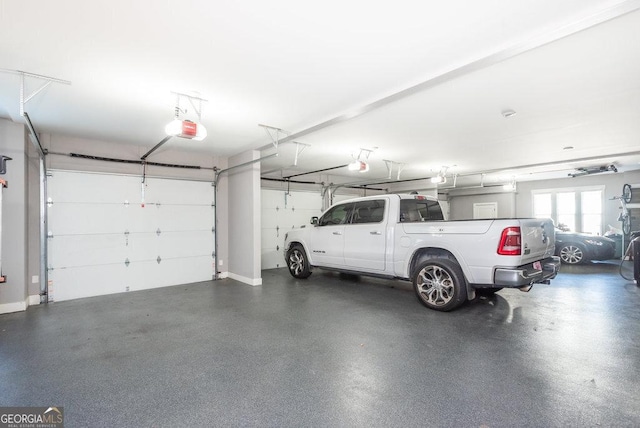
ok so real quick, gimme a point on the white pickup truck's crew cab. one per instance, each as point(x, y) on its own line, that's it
point(406, 237)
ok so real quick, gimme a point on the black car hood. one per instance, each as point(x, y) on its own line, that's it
point(581, 236)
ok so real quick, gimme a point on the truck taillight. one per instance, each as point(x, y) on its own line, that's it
point(510, 242)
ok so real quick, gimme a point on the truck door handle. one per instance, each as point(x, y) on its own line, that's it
point(375, 232)
point(337, 233)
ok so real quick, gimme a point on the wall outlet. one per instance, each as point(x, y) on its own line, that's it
point(35, 279)
point(126, 288)
point(220, 262)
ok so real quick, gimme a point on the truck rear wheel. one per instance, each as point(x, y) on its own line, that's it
point(440, 284)
point(297, 262)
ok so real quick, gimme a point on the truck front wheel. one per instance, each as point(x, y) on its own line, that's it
point(297, 262)
point(439, 284)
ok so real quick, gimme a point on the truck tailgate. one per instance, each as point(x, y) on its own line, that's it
point(537, 239)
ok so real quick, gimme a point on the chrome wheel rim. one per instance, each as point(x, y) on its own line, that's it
point(296, 262)
point(435, 286)
point(571, 254)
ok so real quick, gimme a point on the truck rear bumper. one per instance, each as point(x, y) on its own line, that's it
point(522, 276)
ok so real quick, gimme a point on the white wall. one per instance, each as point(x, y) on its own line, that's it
point(244, 219)
point(13, 293)
point(461, 207)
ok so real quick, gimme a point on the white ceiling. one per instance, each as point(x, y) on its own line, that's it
point(422, 82)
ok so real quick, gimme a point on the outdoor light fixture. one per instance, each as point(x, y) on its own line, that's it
point(184, 128)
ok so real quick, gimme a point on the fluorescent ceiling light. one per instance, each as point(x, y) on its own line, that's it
point(438, 179)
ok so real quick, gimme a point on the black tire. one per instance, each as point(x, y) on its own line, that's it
point(297, 262)
point(626, 225)
point(439, 284)
point(572, 254)
point(487, 291)
point(626, 193)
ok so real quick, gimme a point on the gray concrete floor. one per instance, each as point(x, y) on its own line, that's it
point(332, 351)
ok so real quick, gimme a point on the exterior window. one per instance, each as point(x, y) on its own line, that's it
point(592, 212)
point(575, 209)
point(542, 205)
point(566, 206)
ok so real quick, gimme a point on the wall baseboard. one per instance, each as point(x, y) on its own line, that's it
point(34, 300)
point(250, 281)
point(7, 308)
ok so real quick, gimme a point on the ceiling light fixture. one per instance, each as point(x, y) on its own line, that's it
point(441, 178)
point(593, 170)
point(508, 113)
point(360, 165)
point(185, 128)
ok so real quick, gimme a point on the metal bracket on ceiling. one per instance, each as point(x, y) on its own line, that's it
point(390, 165)
point(192, 100)
point(24, 98)
point(300, 147)
point(274, 134)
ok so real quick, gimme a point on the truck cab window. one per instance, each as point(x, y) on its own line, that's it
point(368, 212)
point(414, 210)
point(337, 215)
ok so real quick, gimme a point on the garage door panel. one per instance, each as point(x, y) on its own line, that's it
point(92, 188)
point(179, 217)
point(270, 239)
point(185, 244)
point(143, 246)
point(270, 199)
point(139, 219)
point(73, 218)
point(167, 192)
point(87, 281)
point(150, 274)
point(272, 259)
point(80, 250)
point(305, 199)
point(270, 218)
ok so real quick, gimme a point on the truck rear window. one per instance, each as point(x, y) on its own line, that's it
point(413, 210)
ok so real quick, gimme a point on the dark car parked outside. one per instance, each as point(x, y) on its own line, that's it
point(575, 248)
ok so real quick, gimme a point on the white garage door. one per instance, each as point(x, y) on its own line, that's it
point(102, 240)
point(282, 212)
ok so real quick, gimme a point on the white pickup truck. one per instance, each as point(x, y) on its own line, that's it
point(406, 237)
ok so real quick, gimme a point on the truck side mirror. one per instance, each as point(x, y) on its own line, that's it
point(314, 220)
